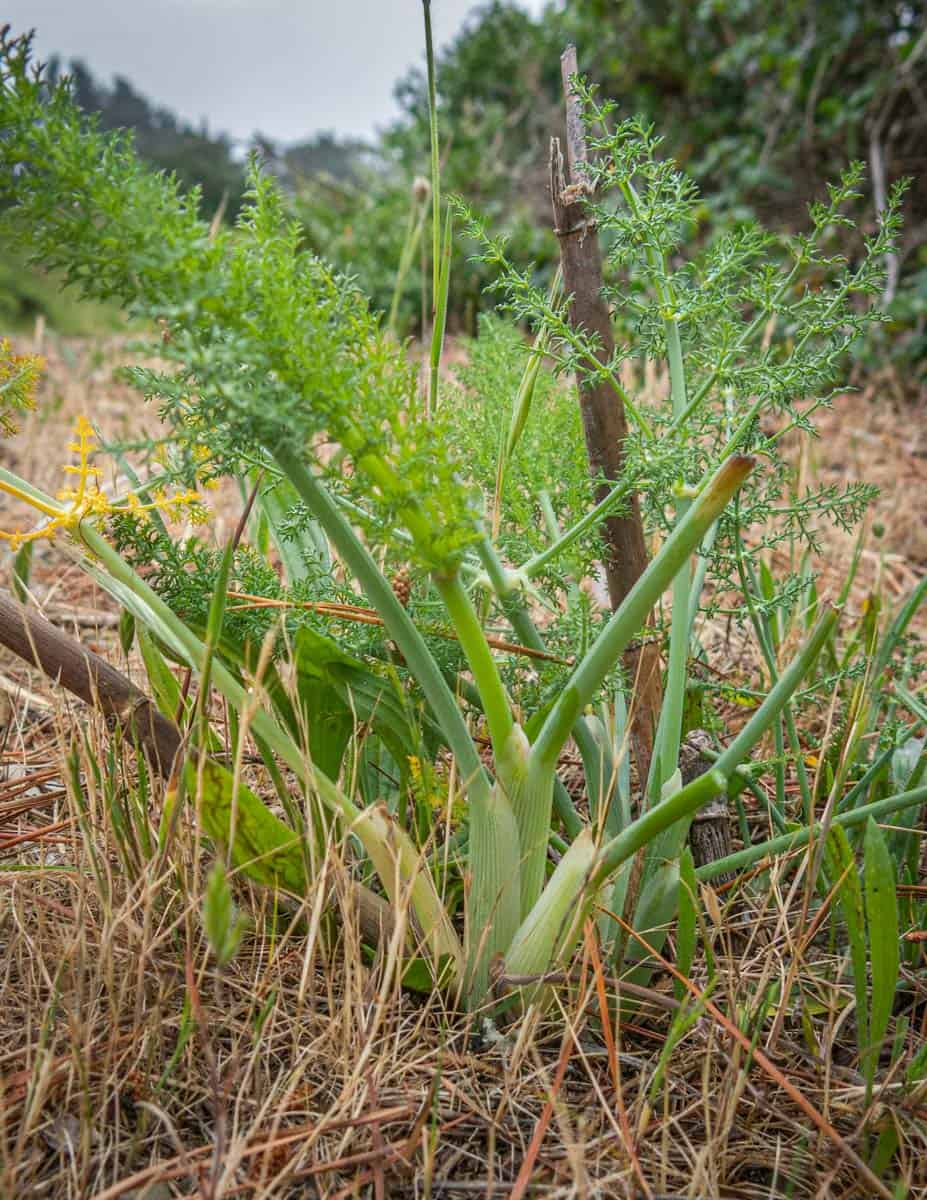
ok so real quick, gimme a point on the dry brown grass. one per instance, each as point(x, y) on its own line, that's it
point(130, 1066)
point(307, 1070)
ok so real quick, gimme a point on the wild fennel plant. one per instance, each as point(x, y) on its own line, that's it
point(278, 375)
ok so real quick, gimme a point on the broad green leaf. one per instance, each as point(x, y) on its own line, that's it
point(907, 769)
point(885, 1148)
point(553, 926)
point(220, 917)
point(338, 692)
point(656, 907)
point(420, 975)
point(659, 896)
point(884, 952)
point(904, 761)
point(22, 571)
point(917, 1068)
point(264, 848)
point(126, 631)
point(303, 552)
point(163, 683)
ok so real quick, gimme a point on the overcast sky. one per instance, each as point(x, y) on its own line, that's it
point(285, 67)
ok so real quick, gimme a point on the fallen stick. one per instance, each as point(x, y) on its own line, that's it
point(91, 678)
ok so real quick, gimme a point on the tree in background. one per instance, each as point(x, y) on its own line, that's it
point(780, 95)
point(761, 102)
point(197, 157)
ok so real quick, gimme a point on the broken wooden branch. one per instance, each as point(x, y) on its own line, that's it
point(91, 678)
point(603, 416)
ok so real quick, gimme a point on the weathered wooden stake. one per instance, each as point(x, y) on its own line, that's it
point(91, 678)
point(604, 422)
point(710, 831)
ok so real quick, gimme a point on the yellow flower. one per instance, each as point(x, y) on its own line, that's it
point(86, 498)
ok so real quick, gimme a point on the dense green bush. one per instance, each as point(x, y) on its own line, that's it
point(761, 107)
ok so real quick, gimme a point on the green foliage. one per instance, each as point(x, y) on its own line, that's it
point(19, 376)
point(754, 328)
point(27, 293)
point(841, 872)
point(882, 923)
point(196, 158)
point(549, 456)
point(360, 226)
point(762, 107)
point(259, 844)
point(220, 918)
point(265, 339)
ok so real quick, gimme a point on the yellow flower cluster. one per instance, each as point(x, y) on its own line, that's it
point(85, 498)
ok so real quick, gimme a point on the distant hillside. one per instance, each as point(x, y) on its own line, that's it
point(197, 156)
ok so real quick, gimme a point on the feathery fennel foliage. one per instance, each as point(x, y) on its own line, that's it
point(266, 343)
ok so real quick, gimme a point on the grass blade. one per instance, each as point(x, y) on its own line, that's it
point(437, 333)
point(840, 864)
point(632, 613)
point(884, 955)
point(687, 921)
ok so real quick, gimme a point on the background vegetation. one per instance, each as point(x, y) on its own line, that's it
point(761, 106)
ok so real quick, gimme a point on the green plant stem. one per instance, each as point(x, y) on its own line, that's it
point(669, 729)
point(414, 227)
point(801, 837)
point(597, 763)
point(631, 614)
point(435, 156)
point(440, 314)
point(534, 565)
point(749, 586)
point(389, 848)
point(493, 906)
point(398, 624)
point(482, 664)
point(693, 796)
point(521, 406)
point(780, 694)
point(742, 340)
point(554, 924)
point(699, 574)
point(880, 764)
point(743, 779)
